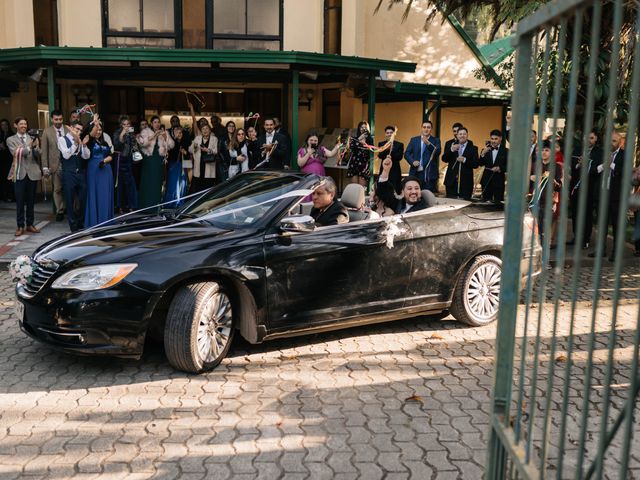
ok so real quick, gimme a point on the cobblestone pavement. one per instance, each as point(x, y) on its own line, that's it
point(408, 399)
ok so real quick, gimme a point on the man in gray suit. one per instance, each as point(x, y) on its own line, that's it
point(50, 156)
point(25, 173)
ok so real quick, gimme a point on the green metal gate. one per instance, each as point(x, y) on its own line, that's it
point(566, 369)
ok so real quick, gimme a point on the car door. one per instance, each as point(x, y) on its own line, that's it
point(442, 241)
point(336, 272)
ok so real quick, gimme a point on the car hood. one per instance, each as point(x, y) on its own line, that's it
point(128, 241)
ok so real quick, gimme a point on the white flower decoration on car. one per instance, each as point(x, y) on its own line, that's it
point(395, 227)
point(21, 269)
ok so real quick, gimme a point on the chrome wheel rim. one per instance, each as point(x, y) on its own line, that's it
point(214, 327)
point(483, 291)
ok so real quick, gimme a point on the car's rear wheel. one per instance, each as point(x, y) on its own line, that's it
point(477, 294)
point(199, 327)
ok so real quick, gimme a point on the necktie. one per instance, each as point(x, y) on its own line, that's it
point(23, 140)
point(59, 133)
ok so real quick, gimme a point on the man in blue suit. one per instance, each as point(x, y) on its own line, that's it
point(422, 154)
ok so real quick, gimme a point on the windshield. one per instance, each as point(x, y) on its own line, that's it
point(244, 200)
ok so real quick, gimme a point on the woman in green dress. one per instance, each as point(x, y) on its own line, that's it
point(154, 143)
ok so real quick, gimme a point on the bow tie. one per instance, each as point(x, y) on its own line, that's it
point(495, 148)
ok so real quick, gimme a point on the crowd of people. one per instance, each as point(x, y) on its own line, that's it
point(392, 194)
point(96, 176)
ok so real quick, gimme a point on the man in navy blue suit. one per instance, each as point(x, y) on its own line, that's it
point(422, 154)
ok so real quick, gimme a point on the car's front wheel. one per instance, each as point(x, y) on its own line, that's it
point(477, 294)
point(199, 327)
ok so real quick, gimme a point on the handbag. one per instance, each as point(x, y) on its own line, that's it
point(136, 156)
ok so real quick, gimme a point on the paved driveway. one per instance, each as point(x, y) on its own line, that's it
point(408, 399)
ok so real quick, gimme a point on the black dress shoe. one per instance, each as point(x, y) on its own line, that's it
point(571, 242)
point(612, 258)
point(59, 217)
point(585, 245)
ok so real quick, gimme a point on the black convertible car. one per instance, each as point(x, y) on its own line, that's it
point(243, 257)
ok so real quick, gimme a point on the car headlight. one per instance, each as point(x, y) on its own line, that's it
point(97, 277)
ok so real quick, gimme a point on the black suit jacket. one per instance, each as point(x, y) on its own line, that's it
point(615, 186)
point(421, 205)
point(501, 161)
point(279, 157)
point(395, 175)
point(464, 170)
point(334, 214)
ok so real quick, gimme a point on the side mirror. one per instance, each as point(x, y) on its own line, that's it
point(298, 224)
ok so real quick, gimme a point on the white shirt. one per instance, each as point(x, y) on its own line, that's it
point(270, 138)
point(494, 154)
point(67, 152)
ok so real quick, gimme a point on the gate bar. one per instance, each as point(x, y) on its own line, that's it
point(603, 443)
point(512, 254)
point(541, 16)
point(600, 241)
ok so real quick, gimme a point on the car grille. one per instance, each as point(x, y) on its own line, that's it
point(42, 272)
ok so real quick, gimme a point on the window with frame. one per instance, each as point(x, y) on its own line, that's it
point(246, 24)
point(140, 23)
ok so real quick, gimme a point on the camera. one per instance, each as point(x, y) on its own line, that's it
point(34, 133)
point(130, 130)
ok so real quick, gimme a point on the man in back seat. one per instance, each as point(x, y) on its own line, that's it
point(326, 209)
point(412, 200)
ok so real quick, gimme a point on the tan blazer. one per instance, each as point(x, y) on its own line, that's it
point(49, 152)
point(29, 164)
point(210, 167)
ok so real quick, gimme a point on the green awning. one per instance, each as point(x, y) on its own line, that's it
point(443, 91)
point(245, 58)
point(496, 52)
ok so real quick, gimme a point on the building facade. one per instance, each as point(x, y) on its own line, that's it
point(334, 60)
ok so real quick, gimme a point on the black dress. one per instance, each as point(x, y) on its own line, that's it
point(359, 161)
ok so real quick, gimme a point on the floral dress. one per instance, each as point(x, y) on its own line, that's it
point(359, 160)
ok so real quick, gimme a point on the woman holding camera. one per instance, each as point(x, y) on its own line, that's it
point(99, 206)
point(124, 142)
point(311, 157)
point(358, 168)
point(176, 178)
point(155, 143)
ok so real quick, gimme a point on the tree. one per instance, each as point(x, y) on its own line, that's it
point(509, 12)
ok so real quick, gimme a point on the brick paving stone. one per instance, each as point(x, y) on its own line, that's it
point(409, 399)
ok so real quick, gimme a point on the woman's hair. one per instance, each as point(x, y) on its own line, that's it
point(360, 125)
point(387, 195)
point(155, 117)
point(306, 140)
point(226, 127)
point(238, 130)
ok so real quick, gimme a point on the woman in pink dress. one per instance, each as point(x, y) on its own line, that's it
point(311, 157)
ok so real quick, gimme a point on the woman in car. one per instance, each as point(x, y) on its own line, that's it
point(384, 201)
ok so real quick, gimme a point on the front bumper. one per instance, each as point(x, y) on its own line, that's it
point(107, 322)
